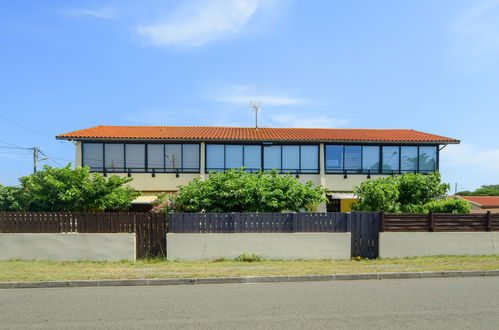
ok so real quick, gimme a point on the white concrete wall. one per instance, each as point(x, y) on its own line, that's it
point(405, 244)
point(67, 247)
point(269, 245)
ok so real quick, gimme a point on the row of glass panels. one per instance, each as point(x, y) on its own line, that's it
point(384, 159)
point(285, 158)
point(119, 157)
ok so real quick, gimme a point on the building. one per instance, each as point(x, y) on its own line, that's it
point(480, 204)
point(162, 158)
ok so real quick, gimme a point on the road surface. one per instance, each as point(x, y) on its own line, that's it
point(449, 303)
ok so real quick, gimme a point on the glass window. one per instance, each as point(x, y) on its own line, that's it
point(427, 159)
point(290, 158)
point(390, 160)
point(93, 156)
point(215, 157)
point(252, 158)
point(115, 157)
point(190, 154)
point(233, 156)
point(334, 158)
point(135, 157)
point(173, 157)
point(408, 159)
point(155, 157)
point(370, 159)
point(272, 157)
point(309, 159)
point(353, 158)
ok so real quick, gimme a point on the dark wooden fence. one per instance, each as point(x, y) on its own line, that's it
point(258, 222)
point(365, 234)
point(364, 226)
point(150, 228)
point(439, 222)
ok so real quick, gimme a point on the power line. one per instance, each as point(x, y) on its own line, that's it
point(4, 147)
point(13, 167)
point(36, 154)
point(12, 153)
point(54, 157)
point(12, 145)
point(15, 123)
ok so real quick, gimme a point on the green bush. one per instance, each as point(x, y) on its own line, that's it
point(450, 205)
point(249, 257)
point(10, 199)
point(486, 190)
point(407, 193)
point(239, 191)
point(65, 189)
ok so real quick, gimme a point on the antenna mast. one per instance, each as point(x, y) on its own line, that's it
point(256, 106)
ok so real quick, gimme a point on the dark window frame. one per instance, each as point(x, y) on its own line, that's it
point(262, 157)
point(344, 171)
point(146, 168)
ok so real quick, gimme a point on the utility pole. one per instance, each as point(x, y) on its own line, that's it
point(35, 159)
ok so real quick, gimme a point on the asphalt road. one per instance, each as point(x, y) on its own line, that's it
point(450, 303)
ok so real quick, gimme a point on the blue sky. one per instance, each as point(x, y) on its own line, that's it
point(430, 65)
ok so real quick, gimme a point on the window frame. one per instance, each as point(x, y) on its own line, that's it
point(146, 169)
point(344, 171)
point(262, 157)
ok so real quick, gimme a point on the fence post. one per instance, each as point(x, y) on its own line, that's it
point(295, 222)
point(171, 222)
point(382, 221)
point(489, 219)
point(430, 220)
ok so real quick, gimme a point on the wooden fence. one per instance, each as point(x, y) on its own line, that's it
point(258, 222)
point(439, 222)
point(364, 226)
point(150, 228)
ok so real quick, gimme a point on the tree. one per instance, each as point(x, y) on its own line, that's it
point(239, 191)
point(406, 193)
point(10, 199)
point(485, 190)
point(65, 189)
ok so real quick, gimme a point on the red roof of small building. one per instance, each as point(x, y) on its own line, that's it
point(484, 201)
point(253, 134)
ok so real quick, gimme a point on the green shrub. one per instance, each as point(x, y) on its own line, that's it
point(449, 205)
point(249, 257)
point(486, 190)
point(239, 191)
point(64, 189)
point(406, 193)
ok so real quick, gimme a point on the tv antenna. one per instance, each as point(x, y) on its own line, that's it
point(256, 106)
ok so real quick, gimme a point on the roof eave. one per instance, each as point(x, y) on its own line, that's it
point(103, 139)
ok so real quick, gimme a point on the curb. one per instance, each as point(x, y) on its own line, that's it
point(244, 279)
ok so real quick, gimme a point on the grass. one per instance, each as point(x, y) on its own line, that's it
point(32, 271)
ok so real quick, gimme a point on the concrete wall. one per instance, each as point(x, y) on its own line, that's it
point(169, 182)
point(67, 247)
point(400, 245)
point(269, 245)
point(337, 182)
point(162, 182)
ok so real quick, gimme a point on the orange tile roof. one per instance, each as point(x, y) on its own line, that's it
point(484, 201)
point(253, 134)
